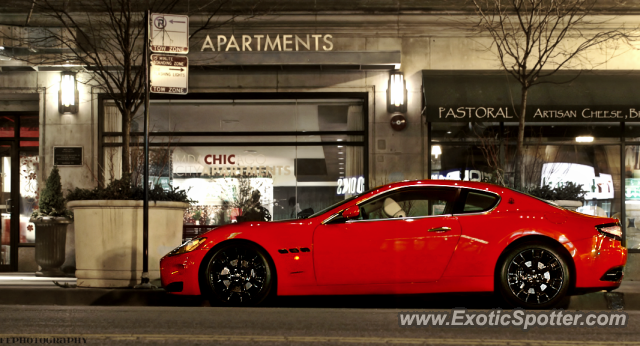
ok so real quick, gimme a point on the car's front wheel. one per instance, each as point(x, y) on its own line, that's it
point(533, 276)
point(237, 274)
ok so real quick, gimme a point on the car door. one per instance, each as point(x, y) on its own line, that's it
point(407, 235)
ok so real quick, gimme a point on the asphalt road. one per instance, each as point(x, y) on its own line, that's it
point(272, 326)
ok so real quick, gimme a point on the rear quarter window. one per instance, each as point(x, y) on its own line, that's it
point(479, 201)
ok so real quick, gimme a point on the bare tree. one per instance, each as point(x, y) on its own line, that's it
point(107, 38)
point(534, 39)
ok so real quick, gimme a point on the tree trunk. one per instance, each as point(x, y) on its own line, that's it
point(126, 138)
point(519, 164)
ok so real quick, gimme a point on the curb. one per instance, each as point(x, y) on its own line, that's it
point(600, 301)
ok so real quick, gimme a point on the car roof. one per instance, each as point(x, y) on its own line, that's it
point(453, 183)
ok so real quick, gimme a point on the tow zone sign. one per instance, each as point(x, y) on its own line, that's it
point(169, 74)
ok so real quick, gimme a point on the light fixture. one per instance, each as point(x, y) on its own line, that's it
point(68, 93)
point(436, 150)
point(1, 47)
point(397, 93)
point(584, 139)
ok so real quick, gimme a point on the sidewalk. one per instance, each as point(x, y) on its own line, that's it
point(27, 289)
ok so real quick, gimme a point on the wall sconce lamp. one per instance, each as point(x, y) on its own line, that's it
point(68, 93)
point(397, 93)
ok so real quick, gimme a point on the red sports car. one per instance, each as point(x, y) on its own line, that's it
point(425, 236)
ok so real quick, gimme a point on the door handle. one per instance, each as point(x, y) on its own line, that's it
point(440, 229)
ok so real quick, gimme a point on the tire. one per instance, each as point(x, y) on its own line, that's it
point(237, 274)
point(533, 275)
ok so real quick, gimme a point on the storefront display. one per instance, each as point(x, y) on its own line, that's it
point(270, 158)
point(572, 134)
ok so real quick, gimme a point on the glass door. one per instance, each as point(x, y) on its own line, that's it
point(8, 211)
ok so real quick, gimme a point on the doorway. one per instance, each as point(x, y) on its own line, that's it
point(9, 208)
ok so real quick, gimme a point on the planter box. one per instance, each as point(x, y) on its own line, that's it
point(108, 238)
point(51, 238)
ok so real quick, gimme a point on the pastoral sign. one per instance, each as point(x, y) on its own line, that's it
point(169, 74)
point(169, 33)
point(67, 156)
point(569, 113)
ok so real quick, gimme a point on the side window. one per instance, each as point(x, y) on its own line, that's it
point(479, 202)
point(410, 202)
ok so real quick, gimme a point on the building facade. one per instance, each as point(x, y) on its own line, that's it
point(295, 105)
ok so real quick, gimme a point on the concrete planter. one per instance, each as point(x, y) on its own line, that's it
point(51, 237)
point(109, 240)
point(568, 204)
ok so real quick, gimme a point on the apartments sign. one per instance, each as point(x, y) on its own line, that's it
point(266, 42)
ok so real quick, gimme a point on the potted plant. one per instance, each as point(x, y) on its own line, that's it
point(108, 224)
point(51, 220)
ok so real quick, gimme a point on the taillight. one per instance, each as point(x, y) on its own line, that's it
point(611, 230)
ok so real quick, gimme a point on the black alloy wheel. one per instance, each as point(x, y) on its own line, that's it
point(534, 276)
point(238, 274)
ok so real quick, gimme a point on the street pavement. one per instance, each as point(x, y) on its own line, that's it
point(272, 326)
point(26, 289)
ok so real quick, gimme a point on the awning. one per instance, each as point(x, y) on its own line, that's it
point(495, 96)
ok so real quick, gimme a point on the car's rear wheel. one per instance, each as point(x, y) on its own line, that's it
point(533, 276)
point(237, 274)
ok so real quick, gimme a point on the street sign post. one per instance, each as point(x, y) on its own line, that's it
point(169, 33)
point(169, 74)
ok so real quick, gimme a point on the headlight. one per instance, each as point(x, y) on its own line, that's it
point(611, 230)
point(188, 246)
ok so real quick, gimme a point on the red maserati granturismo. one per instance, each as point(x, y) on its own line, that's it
point(411, 237)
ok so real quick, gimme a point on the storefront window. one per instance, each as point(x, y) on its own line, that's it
point(632, 195)
point(29, 194)
point(291, 181)
point(7, 126)
point(29, 167)
point(554, 154)
point(264, 159)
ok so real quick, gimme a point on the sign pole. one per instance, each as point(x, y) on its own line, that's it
point(145, 208)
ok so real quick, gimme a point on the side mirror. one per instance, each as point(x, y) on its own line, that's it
point(351, 212)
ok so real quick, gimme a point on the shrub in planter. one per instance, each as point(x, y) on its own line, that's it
point(121, 189)
point(51, 220)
